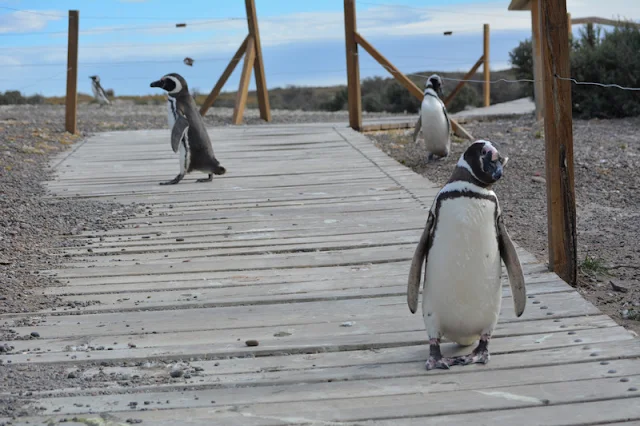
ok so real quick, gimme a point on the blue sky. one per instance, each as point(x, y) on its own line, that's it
point(130, 43)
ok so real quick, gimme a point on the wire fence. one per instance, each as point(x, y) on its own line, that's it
point(201, 21)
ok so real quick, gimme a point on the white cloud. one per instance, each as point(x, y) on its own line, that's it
point(26, 21)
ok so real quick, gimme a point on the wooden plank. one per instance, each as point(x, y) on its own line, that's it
point(602, 21)
point(558, 131)
point(224, 77)
point(245, 78)
point(71, 99)
point(261, 79)
point(536, 44)
point(485, 66)
point(353, 66)
point(467, 76)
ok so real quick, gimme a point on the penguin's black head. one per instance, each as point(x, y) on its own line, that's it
point(483, 161)
point(435, 82)
point(173, 83)
point(94, 78)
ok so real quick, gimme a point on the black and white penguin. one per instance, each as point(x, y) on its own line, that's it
point(188, 133)
point(462, 245)
point(98, 91)
point(434, 120)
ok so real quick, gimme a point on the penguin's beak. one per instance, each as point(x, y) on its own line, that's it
point(159, 83)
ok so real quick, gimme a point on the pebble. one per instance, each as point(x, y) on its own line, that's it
point(538, 179)
point(252, 343)
point(35, 334)
point(176, 372)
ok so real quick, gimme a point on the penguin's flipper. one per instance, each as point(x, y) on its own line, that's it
point(419, 259)
point(179, 130)
point(444, 110)
point(417, 129)
point(514, 269)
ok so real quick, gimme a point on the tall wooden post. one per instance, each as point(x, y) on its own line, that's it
point(486, 69)
point(561, 208)
point(245, 77)
point(261, 80)
point(71, 99)
point(353, 67)
point(537, 58)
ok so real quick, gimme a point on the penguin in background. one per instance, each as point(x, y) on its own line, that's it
point(434, 120)
point(98, 91)
point(461, 248)
point(189, 136)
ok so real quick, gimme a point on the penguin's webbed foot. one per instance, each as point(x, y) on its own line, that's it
point(208, 179)
point(436, 360)
point(480, 354)
point(173, 181)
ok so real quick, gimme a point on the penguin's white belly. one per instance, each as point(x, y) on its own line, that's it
point(462, 283)
point(435, 126)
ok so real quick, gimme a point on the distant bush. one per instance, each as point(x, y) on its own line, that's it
point(597, 56)
point(14, 97)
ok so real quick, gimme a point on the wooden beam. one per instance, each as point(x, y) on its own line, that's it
point(353, 66)
point(224, 77)
point(486, 68)
point(459, 86)
point(603, 21)
point(245, 78)
point(261, 80)
point(561, 208)
point(71, 100)
point(538, 93)
point(402, 79)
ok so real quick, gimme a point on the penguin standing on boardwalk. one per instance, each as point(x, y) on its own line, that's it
point(188, 133)
point(462, 245)
point(434, 120)
point(98, 91)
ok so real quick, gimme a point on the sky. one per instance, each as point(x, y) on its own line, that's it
point(130, 43)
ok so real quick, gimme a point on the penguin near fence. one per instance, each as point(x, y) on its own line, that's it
point(434, 120)
point(189, 136)
point(98, 92)
point(461, 249)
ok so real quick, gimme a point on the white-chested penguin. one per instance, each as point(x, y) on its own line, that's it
point(98, 91)
point(434, 120)
point(462, 245)
point(188, 133)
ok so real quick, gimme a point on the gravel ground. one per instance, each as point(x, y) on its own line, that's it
point(607, 174)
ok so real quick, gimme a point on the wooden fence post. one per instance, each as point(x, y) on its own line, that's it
point(353, 67)
point(245, 77)
point(536, 44)
point(485, 68)
point(71, 99)
point(261, 80)
point(561, 208)
point(569, 26)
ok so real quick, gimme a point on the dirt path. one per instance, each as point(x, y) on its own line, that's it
point(607, 157)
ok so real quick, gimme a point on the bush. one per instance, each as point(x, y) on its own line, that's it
point(14, 97)
point(596, 56)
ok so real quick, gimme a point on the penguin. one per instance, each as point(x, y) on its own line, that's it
point(188, 133)
point(434, 120)
point(98, 91)
point(461, 247)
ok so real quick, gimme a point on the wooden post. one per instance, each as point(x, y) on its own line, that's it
point(536, 42)
point(261, 80)
point(71, 99)
point(569, 26)
point(353, 66)
point(485, 68)
point(245, 77)
point(561, 208)
point(223, 78)
point(461, 84)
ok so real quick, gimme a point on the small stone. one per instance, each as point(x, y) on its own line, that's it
point(35, 334)
point(179, 239)
point(282, 334)
point(252, 343)
point(347, 324)
point(538, 179)
point(132, 345)
point(611, 371)
point(72, 375)
point(624, 380)
point(633, 389)
point(175, 373)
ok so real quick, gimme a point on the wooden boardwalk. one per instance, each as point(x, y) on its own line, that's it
point(304, 246)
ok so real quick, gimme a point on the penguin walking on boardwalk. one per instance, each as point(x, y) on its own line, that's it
point(98, 91)
point(434, 120)
point(461, 247)
point(188, 133)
